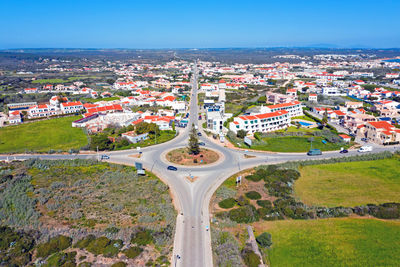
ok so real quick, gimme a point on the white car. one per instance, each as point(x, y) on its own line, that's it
point(365, 149)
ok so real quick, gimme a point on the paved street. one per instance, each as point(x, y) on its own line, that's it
point(192, 238)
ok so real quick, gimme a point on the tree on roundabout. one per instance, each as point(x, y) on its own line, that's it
point(193, 146)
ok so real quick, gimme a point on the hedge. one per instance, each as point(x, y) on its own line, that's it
point(227, 203)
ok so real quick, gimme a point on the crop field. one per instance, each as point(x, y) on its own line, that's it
point(350, 183)
point(333, 242)
point(42, 136)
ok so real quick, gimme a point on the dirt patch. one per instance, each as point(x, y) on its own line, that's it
point(182, 157)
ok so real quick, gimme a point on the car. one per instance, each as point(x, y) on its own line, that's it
point(172, 168)
point(314, 152)
point(365, 149)
point(364, 139)
point(105, 157)
point(202, 144)
point(343, 151)
point(199, 134)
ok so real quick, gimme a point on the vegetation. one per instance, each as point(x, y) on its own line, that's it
point(42, 136)
point(264, 240)
point(55, 244)
point(253, 195)
point(250, 258)
point(227, 203)
point(132, 252)
point(193, 145)
point(101, 205)
point(350, 183)
point(94, 100)
point(334, 242)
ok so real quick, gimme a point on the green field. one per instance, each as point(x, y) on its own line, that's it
point(350, 183)
point(50, 81)
point(294, 144)
point(42, 136)
point(94, 100)
point(333, 242)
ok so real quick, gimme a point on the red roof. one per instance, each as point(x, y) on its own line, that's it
point(381, 125)
point(344, 136)
point(71, 104)
point(265, 115)
point(284, 105)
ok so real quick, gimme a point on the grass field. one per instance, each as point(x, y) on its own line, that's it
point(350, 184)
point(294, 144)
point(333, 242)
point(94, 100)
point(41, 136)
point(50, 81)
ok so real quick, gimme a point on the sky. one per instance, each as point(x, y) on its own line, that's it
point(198, 24)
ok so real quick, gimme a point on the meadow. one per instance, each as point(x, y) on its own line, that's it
point(333, 242)
point(350, 183)
point(42, 136)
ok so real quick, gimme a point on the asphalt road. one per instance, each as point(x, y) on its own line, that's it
point(192, 238)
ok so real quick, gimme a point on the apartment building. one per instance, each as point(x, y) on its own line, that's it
point(266, 122)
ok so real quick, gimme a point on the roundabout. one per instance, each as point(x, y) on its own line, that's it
point(181, 157)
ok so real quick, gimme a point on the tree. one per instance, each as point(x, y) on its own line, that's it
point(194, 147)
point(325, 118)
point(241, 133)
point(264, 240)
point(101, 141)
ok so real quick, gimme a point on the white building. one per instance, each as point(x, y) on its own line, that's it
point(293, 108)
point(266, 122)
point(71, 107)
point(42, 110)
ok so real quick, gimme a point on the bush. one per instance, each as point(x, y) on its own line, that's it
point(142, 238)
point(253, 195)
point(264, 203)
point(83, 243)
point(250, 258)
point(245, 214)
point(15, 247)
point(61, 259)
point(227, 203)
point(98, 246)
point(254, 178)
point(55, 244)
point(264, 240)
point(119, 264)
point(242, 201)
point(132, 252)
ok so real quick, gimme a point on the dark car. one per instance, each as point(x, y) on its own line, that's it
point(105, 157)
point(344, 151)
point(202, 144)
point(364, 139)
point(199, 134)
point(172, 168)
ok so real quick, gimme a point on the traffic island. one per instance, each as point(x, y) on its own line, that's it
point(181, 156)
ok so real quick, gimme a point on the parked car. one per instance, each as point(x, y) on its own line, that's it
point(202, 144)
point(199, 134)
point(364, 139)
point(365, 149)
point(172, 168)
point(343, 151)
point(105, 157)
point(314, 152)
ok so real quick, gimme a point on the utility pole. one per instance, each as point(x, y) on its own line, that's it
point(98, 157)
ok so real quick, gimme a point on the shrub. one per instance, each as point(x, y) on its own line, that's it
point(264, 203)
point(250, 258)
point(61, 259)
point(142, 238)
point(242, 201)
point(97, 246)
point(245, 214)
point(227, 203)
point(83, 243)
point(253, 195)
point(16, 247)
point(254, 178)
point(119, 264)
point(264, 240)
point(132, 252)
point(55, 244)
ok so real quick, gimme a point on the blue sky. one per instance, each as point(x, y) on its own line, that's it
point(198, 24)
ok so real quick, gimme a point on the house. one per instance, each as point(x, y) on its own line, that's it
point(356, 121)
point(292, 93)
point(56, 100)
point(313, 98)
point(14, 117)
point(345, 138)
point(276, 98)
point(30, 90)
point(353, 105)
point(293, 108)
point(392, 75)
point(134, 138)
point(266, 122)
point(42, 110)
point(381, 132)
point(71, 107)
